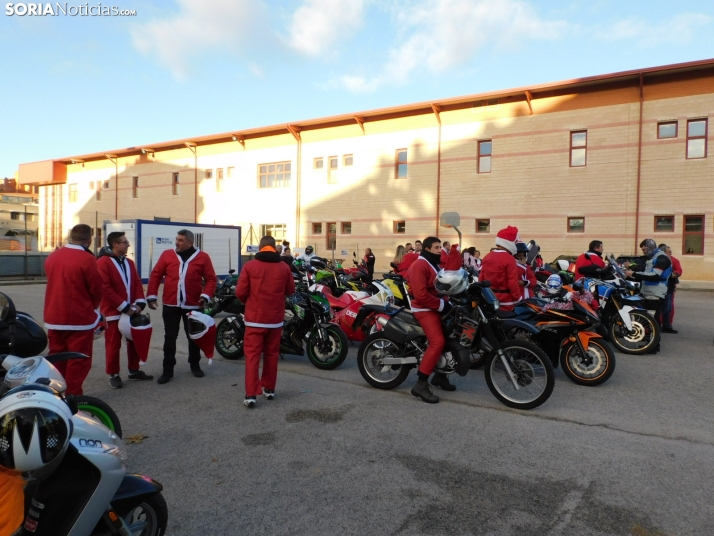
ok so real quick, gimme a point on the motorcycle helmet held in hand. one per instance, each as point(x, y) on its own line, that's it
point(452, 282)
point(139, 320)
point(35, 427)
point(554, 284)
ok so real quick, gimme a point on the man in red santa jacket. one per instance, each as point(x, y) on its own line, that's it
point(74, 291)
point(499, 267)
point(263, 285)
point(123, 293)
point(591, 263)
point(526, 278)
point(189, 283)
point(428, 307)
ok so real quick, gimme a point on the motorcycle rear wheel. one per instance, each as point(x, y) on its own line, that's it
point(100, 410)
point(599, 370)
point(643, 338)
point(228, 343)
point(148, 518)
point(371, 351)
point(533, 371)
point(336, 354)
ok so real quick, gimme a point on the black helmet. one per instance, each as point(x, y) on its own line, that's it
point(318, 262)
point(139, 320)
point(30, 339)
point(521, 247)
point(309, 250)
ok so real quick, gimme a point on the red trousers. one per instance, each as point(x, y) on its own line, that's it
point(75, 371)
point(112, 346)
point(430, 322)
point(257, 341)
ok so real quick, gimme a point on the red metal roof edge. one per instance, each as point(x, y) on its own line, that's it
point(325, 121)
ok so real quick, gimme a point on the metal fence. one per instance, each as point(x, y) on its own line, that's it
point(14, 264)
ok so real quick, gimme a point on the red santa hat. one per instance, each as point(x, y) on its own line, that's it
point(507, 238)
point(453, 261)
point(138, 329)
point(202, 330)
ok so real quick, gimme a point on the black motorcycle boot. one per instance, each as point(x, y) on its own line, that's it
point(166, 375)
point(422, 390)
point(442, 380)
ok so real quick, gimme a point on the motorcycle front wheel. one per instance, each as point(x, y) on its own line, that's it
point(594, 368)
point(330, 353)
point(100, 410)
point(643, 338)
point(369, 357)
point(228, 343)
point(533, 376)
point(149, 518)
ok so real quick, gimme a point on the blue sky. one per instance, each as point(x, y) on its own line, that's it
point(182, 68)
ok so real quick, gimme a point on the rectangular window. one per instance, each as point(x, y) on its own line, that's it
point(400, 227)
point(99, 191)
point(72, 193)
point(98, 237)
point(317, 228)
point(175, 183)
point(576, 225)
point(664, 224)
point(219, 180)
point(666, 130)
point(209, 174)
point(276, 230)
point(230, 171)
point(135, 186)
point(276, 175)
point(91, 185)
point(347, 160)
point(484, 156)
point(401, 164)
point(483, 226)
point(332, 170)
point(693, 243)
point(30, 217)
point(346, 227)
point(697, 138)
point(106, 185)
point(318, 163)
point(331, 235)
point(578, 148)
point(15, 215)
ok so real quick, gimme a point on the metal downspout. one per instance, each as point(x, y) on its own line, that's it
point(639, 166)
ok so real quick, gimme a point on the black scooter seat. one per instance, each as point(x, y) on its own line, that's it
point(505, 314)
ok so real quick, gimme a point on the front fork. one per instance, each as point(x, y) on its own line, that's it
point(493, 342)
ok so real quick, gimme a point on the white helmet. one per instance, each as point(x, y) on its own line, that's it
point(553, 284)
point(452, 282)
point(35, 427)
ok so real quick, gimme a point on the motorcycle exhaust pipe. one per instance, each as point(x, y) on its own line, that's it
point(382, 321)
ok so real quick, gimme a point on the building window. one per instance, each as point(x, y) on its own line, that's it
point(666, 130)
point(99, 191)
point(578, 148)
point(275, 175)
point(219, 180)
point(317, 228)
point(318, 163)
point(209, 174)
point(91, 185)
point(175, 183)
point(697, 138)
point(331, 235)
point(106, 185)
point(401, 164)
point(484, 156)
point(30, 217)
point(576, 225)
point(664, 224)
point(98, 237)
point(347, 160)
point(135, 186)
point(483, 226)
point(332, 170)
point(400, 227)
point(276, 230)
point(15, 215)
point(346, 227)
point(72, 193)
point(230, 171)
point(693, 243)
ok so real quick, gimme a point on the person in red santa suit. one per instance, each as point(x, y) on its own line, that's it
point(72, 298)
point(123, 293)
point(591, 263)
point(499, 267)
point(428, 307)
point(189, 283)
point(263, 285)
point(526, 278)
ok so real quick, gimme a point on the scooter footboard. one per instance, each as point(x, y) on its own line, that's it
point(133, 490)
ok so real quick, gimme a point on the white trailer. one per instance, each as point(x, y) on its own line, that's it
point(148, 239)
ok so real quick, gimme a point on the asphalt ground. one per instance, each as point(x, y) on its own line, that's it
point(332, 455)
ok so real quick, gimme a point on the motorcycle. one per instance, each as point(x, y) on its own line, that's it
point(228, 342)
point(22, 339)
point(518, 373)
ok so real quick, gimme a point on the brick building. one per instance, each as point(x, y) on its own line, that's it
point(618, 157)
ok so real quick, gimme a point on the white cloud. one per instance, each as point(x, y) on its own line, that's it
point(234, 26)
point(318, 25)
point(679, 30)
point(445, 34)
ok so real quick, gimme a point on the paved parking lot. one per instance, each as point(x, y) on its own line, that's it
point(332, 455)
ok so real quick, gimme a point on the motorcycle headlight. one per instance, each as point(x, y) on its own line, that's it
point(117, 449)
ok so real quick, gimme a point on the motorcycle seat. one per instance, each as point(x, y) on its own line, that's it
point(505, 314)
